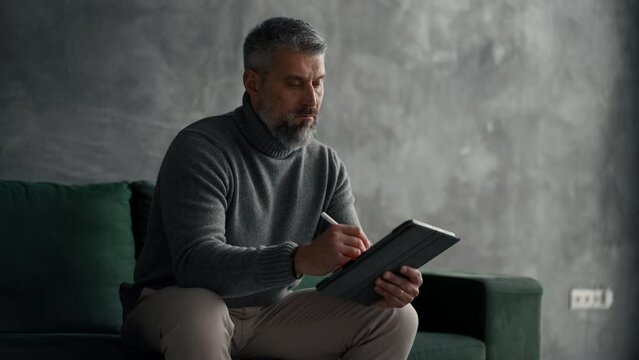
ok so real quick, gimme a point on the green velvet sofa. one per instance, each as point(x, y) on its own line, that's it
point(67, 248)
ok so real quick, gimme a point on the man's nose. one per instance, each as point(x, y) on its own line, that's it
point(310, 96)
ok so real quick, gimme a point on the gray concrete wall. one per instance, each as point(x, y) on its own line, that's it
point(511, 122)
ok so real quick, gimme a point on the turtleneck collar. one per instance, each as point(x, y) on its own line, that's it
point(257, 133)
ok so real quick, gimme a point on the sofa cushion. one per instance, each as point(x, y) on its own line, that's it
point(442, 346)
point(65, 251)
point(431, 346)
point(68, 346)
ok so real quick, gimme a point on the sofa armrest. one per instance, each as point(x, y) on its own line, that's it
point(503, 311)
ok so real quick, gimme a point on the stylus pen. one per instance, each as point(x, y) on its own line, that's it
point(328, 218)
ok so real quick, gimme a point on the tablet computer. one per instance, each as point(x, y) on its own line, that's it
point(413, 243)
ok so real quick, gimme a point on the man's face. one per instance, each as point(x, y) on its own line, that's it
point(288, 97)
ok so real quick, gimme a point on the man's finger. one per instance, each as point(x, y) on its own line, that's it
point(354, 242)
point(351, 252)
point(358, 233)
point(351, 241)
point(414, 275)
point(398, 284)
point(390, 298)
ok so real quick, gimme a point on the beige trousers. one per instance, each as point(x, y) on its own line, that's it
point(195, 324)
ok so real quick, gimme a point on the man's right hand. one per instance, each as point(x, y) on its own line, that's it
point(332, 249)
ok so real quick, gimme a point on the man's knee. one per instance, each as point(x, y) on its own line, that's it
point(408, 317)
point(403, 323)
point(200, 312)
point(178, 316)
point(392, 336)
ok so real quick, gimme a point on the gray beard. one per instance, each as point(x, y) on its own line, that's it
point(292, 136)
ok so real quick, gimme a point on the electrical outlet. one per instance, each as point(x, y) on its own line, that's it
point(591, 299)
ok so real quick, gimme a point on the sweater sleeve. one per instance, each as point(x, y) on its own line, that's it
point(342, 203)
point(196, 182)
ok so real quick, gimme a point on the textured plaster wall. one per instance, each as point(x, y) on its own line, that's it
point(510, 122)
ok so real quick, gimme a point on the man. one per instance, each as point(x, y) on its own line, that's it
point(235, 222)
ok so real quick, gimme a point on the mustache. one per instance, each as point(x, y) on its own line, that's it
point(307, 111)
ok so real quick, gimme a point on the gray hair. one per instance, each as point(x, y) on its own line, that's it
point(279, 33)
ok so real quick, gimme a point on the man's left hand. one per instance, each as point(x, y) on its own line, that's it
point(398, 290)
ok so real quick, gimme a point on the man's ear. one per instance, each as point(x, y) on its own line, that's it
point(252, 80)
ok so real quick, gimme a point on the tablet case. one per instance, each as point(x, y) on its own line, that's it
point(412, 243)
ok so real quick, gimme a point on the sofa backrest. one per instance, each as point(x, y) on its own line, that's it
point(65, 251)
point(141, 197)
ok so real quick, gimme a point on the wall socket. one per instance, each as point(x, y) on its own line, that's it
point(591, 299)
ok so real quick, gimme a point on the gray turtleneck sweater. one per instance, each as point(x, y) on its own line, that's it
point(232, 202)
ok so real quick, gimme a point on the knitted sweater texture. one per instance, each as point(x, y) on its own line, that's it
point(232, 202)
